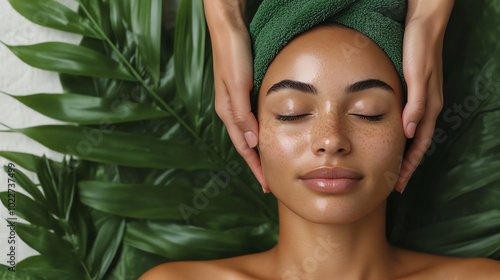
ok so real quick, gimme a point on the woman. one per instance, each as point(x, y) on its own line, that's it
point(425, 27)
point(330, 133)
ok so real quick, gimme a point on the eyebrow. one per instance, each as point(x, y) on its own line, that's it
point(368, 84)
point(290, 84)
point(308, 88)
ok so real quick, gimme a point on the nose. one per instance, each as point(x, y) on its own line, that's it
point(330, 137)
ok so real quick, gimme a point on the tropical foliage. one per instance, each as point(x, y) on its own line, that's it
point(452, 204)
point(151, 175)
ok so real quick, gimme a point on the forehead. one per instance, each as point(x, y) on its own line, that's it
point(331, 57)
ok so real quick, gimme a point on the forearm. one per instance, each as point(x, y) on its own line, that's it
point(435, 11)
point(224, 13)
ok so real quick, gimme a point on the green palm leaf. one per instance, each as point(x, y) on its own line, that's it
point(186, 242)
point(105, 247)
point(44, 242)
point(145, 16)
point(108, 146)
point(31, 211)
point(27, 161)
point(83, 109)
point(54, 15)
point(157, 148)
point(71, 59)
point(189, 55)
point(30, 187)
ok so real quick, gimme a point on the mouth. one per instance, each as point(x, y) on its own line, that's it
point(331, 180)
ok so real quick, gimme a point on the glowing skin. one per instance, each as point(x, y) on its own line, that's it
point(330, 235)
point(332, 129)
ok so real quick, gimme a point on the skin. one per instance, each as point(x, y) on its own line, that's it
point(332, 133)
point(425, 25)
point(324, 234)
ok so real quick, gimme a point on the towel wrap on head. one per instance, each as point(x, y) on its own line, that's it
point(277, 22)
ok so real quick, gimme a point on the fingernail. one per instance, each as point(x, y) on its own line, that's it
point(263, 189)
point(251, 139)
point(397, 189)
point(403, 187)
point(411, 129)
point(398, 186)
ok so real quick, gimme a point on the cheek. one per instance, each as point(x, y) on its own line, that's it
point(279, 150)
point(383, 149)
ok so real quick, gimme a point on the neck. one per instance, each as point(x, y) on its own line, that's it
point(357, 250)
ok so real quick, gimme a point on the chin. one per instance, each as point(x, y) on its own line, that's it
point(335, 209)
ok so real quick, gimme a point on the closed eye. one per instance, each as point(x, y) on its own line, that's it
point(290, 118)
point(370, 118)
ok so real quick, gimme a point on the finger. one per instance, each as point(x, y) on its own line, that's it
point(236, 109)
point(425, 131)
point(222, 102)
point(417, 69)
point(223, 109)
point(242, 113)
point(249, 155)
point(415, 106)
point(253, 160)
point(420, 145)
point(238, 81)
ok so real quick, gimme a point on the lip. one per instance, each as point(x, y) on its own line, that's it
point(331, 179)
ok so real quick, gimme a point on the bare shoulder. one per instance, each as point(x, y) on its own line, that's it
point(475, 268)
point(419, 265)
point(192, 270)
point(223, 269)
point(172, 270)
point(464, 269)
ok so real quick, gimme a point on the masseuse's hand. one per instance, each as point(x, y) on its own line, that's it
point(426, 22)
point(233, 78)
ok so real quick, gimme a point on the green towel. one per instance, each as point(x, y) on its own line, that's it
point(277, 22)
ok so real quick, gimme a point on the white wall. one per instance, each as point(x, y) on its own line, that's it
point(18, 78)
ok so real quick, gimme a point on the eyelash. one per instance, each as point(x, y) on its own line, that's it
point(298, 117)
point(290, 118)
point(370, 118)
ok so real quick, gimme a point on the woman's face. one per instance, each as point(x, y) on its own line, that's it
point(331, 98)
